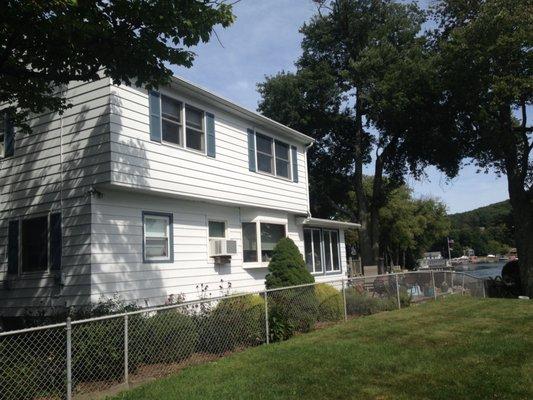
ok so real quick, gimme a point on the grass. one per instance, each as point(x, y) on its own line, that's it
point(456, 348)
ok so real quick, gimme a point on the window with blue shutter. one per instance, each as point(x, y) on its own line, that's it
point(13, 248)
point(7, 136)
point(210, 127)
point(55, 241)
point(251, 150)
point(154, 104)
point(294, 164)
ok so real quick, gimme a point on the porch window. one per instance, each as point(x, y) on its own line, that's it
point(157, 237)
point(322, 250)
point(194, 120)
point(34, 244)
point(171, 120)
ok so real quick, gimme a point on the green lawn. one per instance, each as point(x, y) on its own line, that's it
point(456, 348)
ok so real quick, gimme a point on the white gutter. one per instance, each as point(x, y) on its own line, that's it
point(232, 107)
point(326, 223)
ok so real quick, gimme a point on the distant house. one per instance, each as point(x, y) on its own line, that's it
point(149, 194)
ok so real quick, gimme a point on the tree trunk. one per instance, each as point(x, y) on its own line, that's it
point(365, 233)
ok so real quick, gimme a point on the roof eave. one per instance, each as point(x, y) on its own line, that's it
point(327, 223)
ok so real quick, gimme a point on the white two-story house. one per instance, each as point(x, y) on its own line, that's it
point(143, 195)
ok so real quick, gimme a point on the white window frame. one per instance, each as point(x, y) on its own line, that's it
point(324, 271)
point(203, 130)
point(274, 172)
point(170, 242)
point(225, 228)
point(260, 263)
point(183, 115)
point(180, 124)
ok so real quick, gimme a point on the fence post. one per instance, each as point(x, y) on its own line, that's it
point(434, 287)
point(483, 284)
point(267, 328)
point(463, 285)
point(69, 359)
point(398, 291)
point(344, 300)
point(126, 351)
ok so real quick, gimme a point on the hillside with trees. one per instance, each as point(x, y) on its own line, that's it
point(487, 230)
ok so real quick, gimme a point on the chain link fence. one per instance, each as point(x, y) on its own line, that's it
point(80, 358)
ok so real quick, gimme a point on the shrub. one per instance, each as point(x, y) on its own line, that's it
point(98, 350)
point(234, 322)
point(292, 310)
point(287, 266)
point(330, 303)
point(362, 304)
point(168, 337)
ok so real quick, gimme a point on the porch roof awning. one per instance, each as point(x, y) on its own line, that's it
point(327, 223)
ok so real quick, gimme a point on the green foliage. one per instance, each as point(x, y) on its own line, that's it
point(362, 304)
point(168, 337)
point(235, 322)
point(131, 42)
point(330, 303)
point(287, 266)
point(487, 230)
point(292, 311)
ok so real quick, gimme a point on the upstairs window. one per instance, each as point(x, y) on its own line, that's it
point(171, 126)
point(264, 154)
point(157, 240)
point(273, 156)
point(282, 159)
point(194, 120)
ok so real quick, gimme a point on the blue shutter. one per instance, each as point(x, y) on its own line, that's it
point(13, 248)
point(55, 241)
point(9, 137)
point(294, 164)
point(154, 103)
point(210, 126)
point(251, 150)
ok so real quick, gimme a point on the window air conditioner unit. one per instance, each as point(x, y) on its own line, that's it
point(222, 249)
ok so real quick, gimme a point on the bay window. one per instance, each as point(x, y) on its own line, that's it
point(269, 235)
point(157, 237)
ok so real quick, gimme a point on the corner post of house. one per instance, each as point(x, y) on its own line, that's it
point(267, 328)
point(126, 350)
point(398, 291)
point(69, 358)
point(434, 286)
point(344, 299)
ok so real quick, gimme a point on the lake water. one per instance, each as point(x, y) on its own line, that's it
point(489, 270)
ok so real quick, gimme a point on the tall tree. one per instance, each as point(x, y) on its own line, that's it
point(485, 60)
point(45, 44)
point(362, 81)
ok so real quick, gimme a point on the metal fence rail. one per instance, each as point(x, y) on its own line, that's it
point(86, 356)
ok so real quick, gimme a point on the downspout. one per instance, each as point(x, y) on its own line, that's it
point(307, 186)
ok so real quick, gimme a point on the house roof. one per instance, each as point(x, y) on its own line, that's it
point(327, 223)
point(257, 118)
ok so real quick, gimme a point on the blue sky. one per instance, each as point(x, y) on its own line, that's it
point(264, 40)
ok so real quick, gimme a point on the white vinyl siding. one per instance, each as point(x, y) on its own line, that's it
point(144, 165)
point(44, 177)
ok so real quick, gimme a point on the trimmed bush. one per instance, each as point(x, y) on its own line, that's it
point(169, 337)
point(287, 266)
point(330, 303)
point(235, 322)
